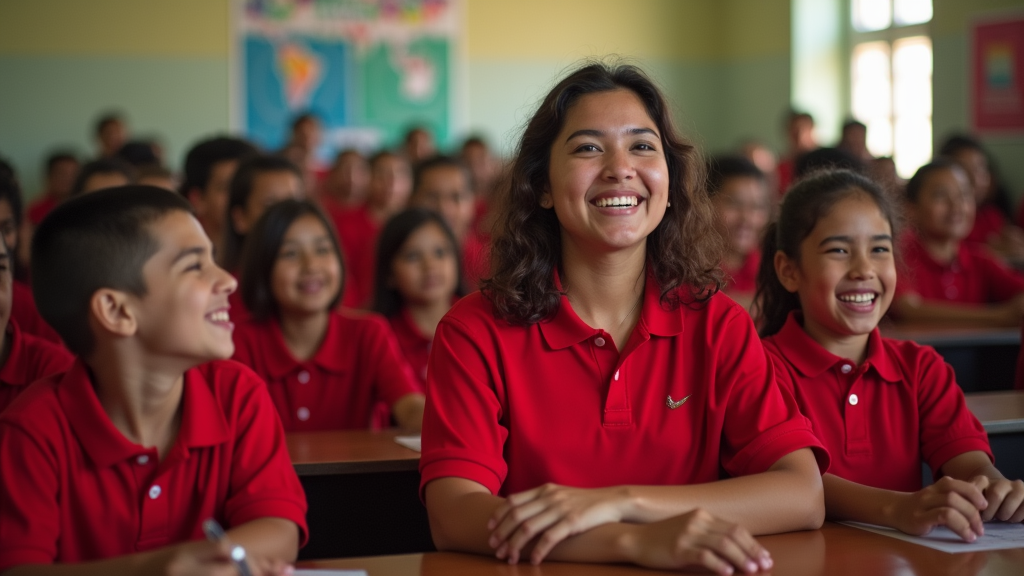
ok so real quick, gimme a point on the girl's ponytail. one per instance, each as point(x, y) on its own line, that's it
point(773, 301)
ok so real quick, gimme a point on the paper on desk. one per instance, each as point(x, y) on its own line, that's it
point(319, 572)
point(998, 536)
point(410, 442)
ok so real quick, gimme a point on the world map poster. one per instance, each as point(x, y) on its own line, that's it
point(369, 69)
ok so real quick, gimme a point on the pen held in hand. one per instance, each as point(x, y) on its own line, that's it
point(215, 533)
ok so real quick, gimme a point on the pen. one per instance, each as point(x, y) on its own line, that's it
point(215, 533)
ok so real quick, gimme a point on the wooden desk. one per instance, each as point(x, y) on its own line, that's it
point(984, 359)
point(363, 494)
point(835, 549)
point(1002, 415)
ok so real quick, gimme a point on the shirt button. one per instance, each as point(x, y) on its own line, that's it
point(154, 492)
point(854, 399)
point(303, 413)
point(303, 377)
point(142, 460)
point(599, 341)
point(846, 368)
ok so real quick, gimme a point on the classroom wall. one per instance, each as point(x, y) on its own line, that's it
point(951, 41)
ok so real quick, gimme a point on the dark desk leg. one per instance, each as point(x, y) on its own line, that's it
point(982, 368)
point(365, 515)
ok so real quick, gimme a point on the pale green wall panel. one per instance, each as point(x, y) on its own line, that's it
point(755, 97)
point(47, 101)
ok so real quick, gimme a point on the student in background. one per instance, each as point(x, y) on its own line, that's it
point(259, 182)
point(325, 369)
point(390, 186)
point(854, 141)
point(800, 140)
point(346, 184)
point(878, 405)
point(417, 280)
point(209, 167)
point(443, 184)
point(740, 195)
point(943, 277)
point(61, 169)
point(302, 147)
point(150, 432)
point(100, 174)
point(418, 144)
point(111, 133)
point(484, 171)
point(586, 403)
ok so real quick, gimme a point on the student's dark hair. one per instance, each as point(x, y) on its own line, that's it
point(106, 119)
point(138, 153)
point(57, 156)
point(261, 249)
point(916, 182)
point(826, 159)
point(10, 191)
point(1000, 196)
point(99, 240)
point(101, 166)
point(383, 154)
point(853, 123)
point(793, 115)
point(387, 300)
point(238, 197)
point(475, 140)
point(204, 155)
point(439, 161)
point(958, 142)
point(806, 202)
point(722, 168)
point(307, 116)
point(683, 252)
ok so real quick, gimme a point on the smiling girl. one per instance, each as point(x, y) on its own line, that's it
point(325, 369)
point(879, 405)
point(586, 403)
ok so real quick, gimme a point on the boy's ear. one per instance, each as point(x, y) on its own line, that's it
point(110, 310)
point(787, 271)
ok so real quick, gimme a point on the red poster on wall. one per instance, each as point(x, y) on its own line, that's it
point(998, 83)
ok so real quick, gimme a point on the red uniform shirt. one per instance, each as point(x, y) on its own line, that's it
point(973, 277)
point(988, 221)
point(24, 312)
point(878, 420)
point(414, 345)
point(512, 407)
point(476, 259)
point(74, 489)
point(357, 365)
point(743, 279)
point(39, 208)
point(358, 233)
point(32, 358)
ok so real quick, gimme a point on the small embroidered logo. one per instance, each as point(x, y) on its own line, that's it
point(673, 405)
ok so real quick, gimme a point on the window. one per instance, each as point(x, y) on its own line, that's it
point(891, 78)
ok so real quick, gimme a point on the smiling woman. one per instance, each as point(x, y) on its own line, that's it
point(583, 405)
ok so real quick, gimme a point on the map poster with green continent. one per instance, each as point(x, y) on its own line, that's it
point(369, 69)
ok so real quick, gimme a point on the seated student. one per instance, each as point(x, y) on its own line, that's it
point(345, 185)
point(417, 280)
point(587, 403)
point(120, 460)
point(943, 277)
point(111, 132)
point(442, 184)
point(61, 169)
point(740, 195)
point(325, 369)
point(879, 405)
point(390, 185)
point(209, 167)
point(24, 358)
point(100, 174)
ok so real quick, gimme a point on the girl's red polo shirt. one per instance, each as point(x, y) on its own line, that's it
point(512, 407)
point(357, 365)
point(878, 420)
point(414, 345)
point(74, 489)
point(31, 358)
point(973, 277)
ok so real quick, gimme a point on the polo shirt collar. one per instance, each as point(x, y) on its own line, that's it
point(12, 372)
point(281, 363)
point(812, 359)
point(566, 328)
point(202, 419)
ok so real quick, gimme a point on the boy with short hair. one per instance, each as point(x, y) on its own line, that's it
point(113, 467)
point(209, 167)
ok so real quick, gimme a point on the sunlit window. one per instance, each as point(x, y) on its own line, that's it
point(891, 79)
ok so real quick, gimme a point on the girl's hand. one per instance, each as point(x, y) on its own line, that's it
point(552, 513)
point(207, 558)
point(1005, 498)
point(952, 503)
point(697, 539)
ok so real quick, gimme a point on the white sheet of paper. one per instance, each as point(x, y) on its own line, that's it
point(998, 536)
point(320, 572)
point(410, 442)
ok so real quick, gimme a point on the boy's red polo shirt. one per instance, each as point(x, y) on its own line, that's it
point(23, 310)
point(513, 407)
point(878, 420)
point(74, 489)
point(357, 365)
point(357, 232)
point(973, 277)
point(31, 358)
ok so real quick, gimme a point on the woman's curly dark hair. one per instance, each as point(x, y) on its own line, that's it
point(684, 251)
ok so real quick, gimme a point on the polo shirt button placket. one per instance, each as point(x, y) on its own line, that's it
point(303, 377)
point(846, 368)
point(142, 460)
point(599, 341)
